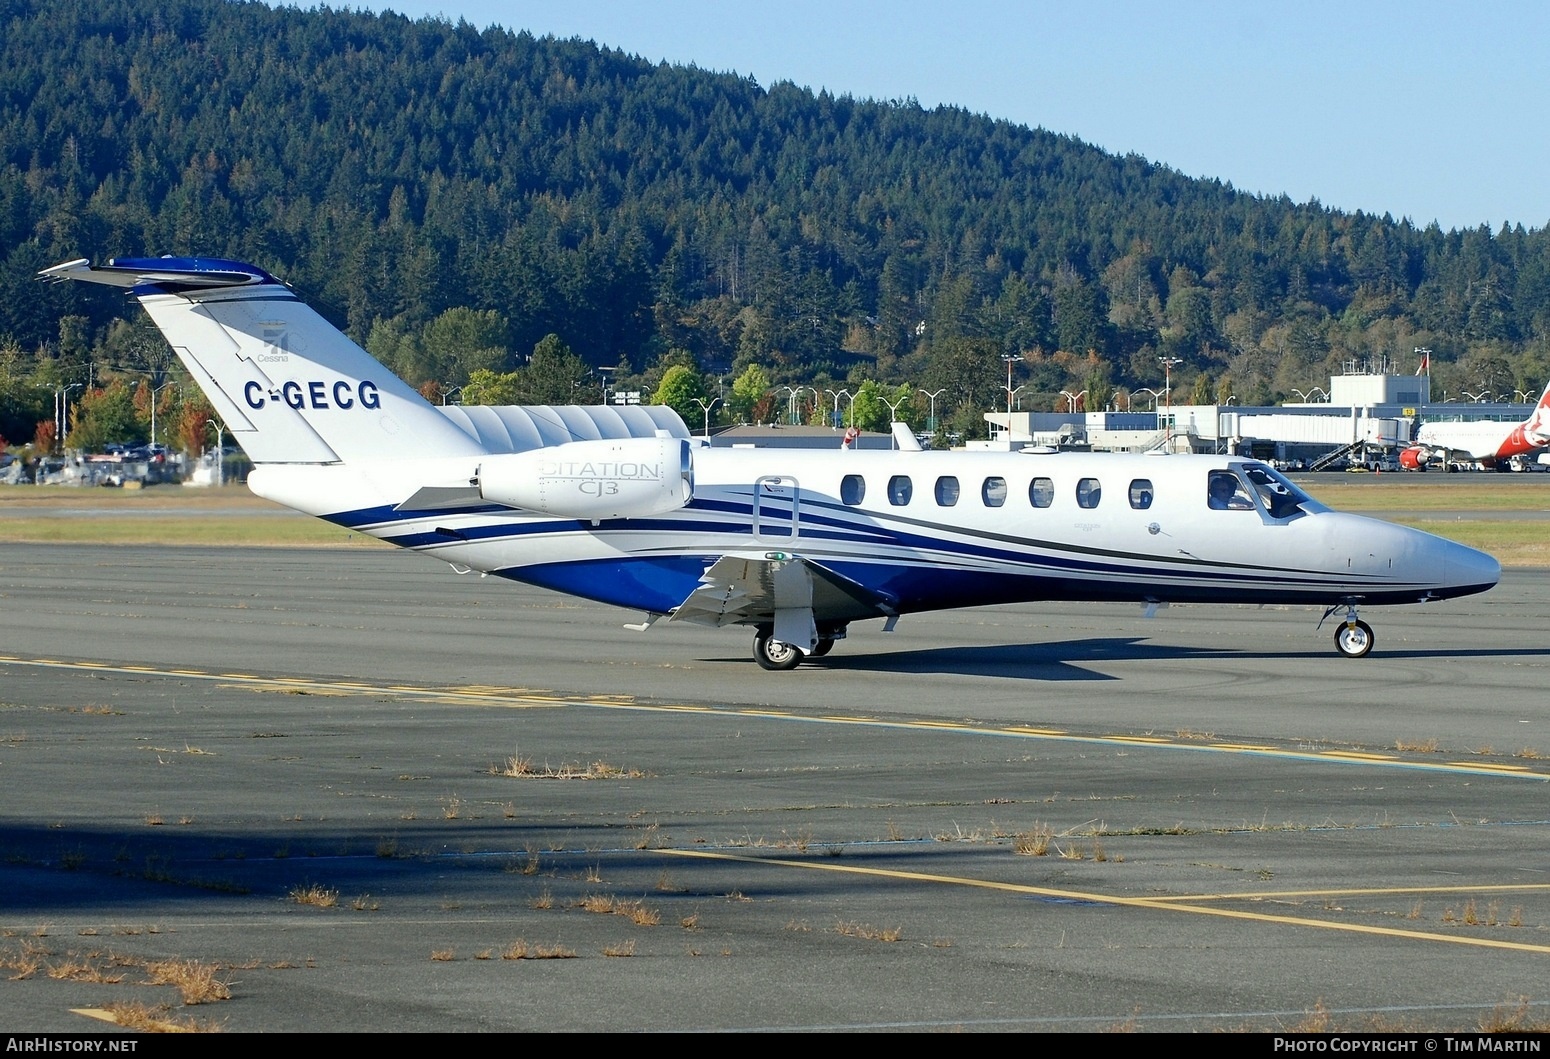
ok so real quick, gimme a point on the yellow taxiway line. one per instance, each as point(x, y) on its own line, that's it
point(1172, 904)
point(535, 698)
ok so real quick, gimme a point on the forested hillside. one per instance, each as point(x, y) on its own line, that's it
point(451, 196)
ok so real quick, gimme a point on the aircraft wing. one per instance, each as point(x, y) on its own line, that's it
point(748, 588)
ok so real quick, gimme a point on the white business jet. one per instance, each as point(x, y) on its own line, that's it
point(619, 505)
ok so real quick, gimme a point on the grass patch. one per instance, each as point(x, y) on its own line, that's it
point(522, 950)
point(870, 933)
point(211, 531)
point(315, 895)
point(1034, 842)
point(197, 982)
point(1512, 543)
point(518, 767)
point(1423, 493)
point(635, 911)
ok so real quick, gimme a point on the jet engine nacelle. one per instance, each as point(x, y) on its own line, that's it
point(1413, 459)
point(607, 478)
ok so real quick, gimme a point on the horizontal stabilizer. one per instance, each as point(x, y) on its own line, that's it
point(289, 387)
point(187, 273)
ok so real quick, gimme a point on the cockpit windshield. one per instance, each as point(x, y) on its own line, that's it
point(1276, 492)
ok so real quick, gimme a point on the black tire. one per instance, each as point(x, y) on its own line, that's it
point(822, 647)
point(771, 654)
point(1354, 639)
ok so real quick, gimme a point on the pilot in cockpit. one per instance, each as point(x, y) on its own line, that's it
point(1225, 492)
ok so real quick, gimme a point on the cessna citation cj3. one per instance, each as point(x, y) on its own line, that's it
point(621, 506)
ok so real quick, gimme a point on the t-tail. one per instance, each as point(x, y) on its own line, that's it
point(288, 385)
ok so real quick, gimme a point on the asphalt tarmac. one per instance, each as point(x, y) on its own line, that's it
point(365, 793)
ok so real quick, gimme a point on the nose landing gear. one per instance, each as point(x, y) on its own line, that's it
point(1354, 638)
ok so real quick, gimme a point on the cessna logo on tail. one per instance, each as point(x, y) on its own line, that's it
point(316, 394)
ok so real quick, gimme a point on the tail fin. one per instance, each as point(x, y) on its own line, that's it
point(1533, 433)
point(288, 385)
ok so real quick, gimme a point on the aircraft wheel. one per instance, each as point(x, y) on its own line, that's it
point(1354, 640)
point(770, 653)
point(823, 647)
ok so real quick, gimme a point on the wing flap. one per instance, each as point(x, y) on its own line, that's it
point(749, 588)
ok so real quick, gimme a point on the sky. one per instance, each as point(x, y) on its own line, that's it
point(1420, 109)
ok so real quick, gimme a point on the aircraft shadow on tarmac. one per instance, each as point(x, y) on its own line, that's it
point(1065, 660)
point(67, 870)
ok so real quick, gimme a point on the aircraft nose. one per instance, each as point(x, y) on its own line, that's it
point(1467, 570)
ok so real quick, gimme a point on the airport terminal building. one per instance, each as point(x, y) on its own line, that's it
point(1366, 420)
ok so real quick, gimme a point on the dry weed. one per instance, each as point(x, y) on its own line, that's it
point(1315, 1021)
point(315, 895)
point(519, 767)
point(552, 952)
point(1513, 1017)
point(1034, 842)
point(870, 933)
point(197, 982)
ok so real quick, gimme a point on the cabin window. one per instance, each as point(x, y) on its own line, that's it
point(1088, 493)
point(1041, 492)
point(852, 490)
point(993, 492)
point(946, 491)
point(899, 490)
point(1141, 493)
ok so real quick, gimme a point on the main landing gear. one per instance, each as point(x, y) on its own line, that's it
point(772, 654)
point(1354, 638)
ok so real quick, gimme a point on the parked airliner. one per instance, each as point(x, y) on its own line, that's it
point(622, 506)
point(1487, 443)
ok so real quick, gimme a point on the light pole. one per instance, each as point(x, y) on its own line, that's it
point(791, 402)
point(1010, 358)
point(155, 390)
point(933, 395)
point(64, 412)
point(1072, 398)
point(797, 398)
point(835, 422)
point(714, 401)
point(220, 453)
point(1155, 394)
point(447, 394)
point(1168, 363)
point(893, 415)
